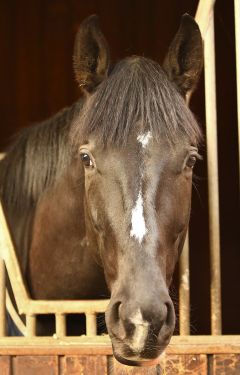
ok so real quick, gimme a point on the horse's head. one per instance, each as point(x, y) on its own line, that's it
point(137, 141)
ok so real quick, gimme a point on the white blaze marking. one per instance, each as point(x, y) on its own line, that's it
point(138, 222)
point(140, 333)
point(144, 138)
point(139, 229)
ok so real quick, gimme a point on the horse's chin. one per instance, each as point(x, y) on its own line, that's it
point(144, 358)
point(136, 361)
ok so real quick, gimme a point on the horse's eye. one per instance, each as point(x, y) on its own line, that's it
point(191, 161)
point(87, 162)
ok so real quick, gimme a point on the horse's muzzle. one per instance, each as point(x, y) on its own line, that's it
point(140, 334)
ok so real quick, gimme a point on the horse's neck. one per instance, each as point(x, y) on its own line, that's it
point(20, 224)
point(61, 261)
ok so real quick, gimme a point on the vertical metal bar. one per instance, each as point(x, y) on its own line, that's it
point(203, 12)
point(184, 290)
point(213, 189)
point(31, 325)
point(60, 325)
point(2, 298)
point(91, 324)
point(14, 315)
point(237, 48)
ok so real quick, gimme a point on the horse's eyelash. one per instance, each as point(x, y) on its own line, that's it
point(198, 156)
point(194, 152)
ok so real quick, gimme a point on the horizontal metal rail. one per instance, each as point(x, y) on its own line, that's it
point(102, 344)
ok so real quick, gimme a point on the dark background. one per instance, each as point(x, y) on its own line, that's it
point(36, 78)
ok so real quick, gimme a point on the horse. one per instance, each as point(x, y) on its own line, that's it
point(98, 197)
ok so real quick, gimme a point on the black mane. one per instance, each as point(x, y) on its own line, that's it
point(38, 156)
point(136, 90)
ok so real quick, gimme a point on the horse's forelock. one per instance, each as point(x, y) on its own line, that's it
point(136, 90)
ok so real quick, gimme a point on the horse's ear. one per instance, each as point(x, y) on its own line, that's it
point(184, 61)
point(91, 54)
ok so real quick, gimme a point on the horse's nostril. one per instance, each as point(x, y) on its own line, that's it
point(170, 314)
point(116, 311)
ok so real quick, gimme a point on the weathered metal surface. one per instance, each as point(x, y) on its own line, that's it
point(119, 369)
point(226, 364)
point(172, 364)
point(184, 364)
point(35, 365)
point(83, 365)
point(5, 365)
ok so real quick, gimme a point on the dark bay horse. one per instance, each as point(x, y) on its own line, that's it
point(98, 197)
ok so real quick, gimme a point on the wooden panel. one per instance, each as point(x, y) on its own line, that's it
point(83, 365)
point(119, 369)
point(169, 365)
point(38, 365)
point(5, 365)
point(226, 364)
point(184, 364)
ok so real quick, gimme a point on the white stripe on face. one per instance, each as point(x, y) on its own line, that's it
point(138, 222)
point(139, 228)
point(144, 138)
point(140, 333)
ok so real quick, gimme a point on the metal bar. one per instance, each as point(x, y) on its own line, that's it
point(31, 325)
point(91, 325)
point(101, 345)
point(32, 307)
point(203, 13)
point(2, 298)
point(12, 266)
point(237, 48)
point(204, 10)
point(60, 325)
point(14, 315)
point(213, 189)
point(184, 290)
